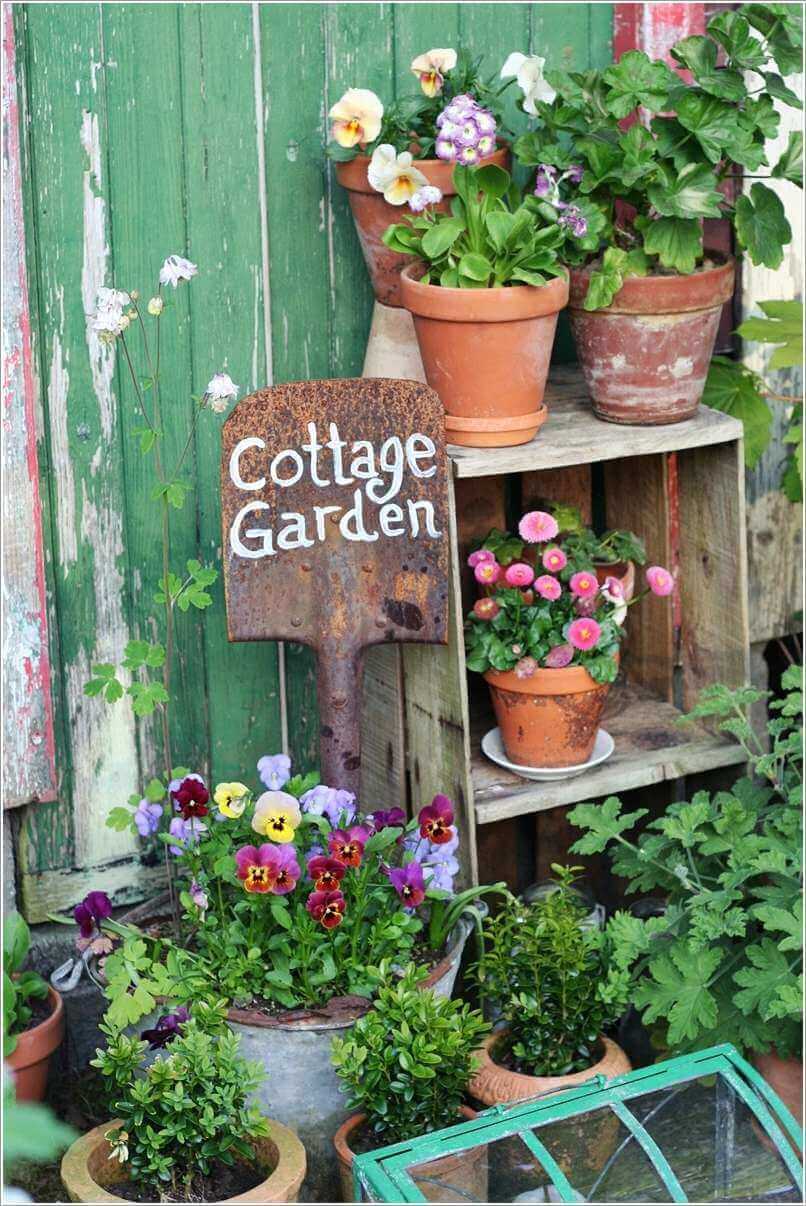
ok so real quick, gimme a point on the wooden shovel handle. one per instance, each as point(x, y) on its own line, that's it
point(339, 679)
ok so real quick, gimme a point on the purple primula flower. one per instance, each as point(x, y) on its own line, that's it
point(574, 220)
point(274, 770)
point(545, 180)
point(334, 803)
point(93, 909)
point(445, 149)
point(468, 133)
point(429, 194)
point(575, 173)
point(469, 156)
point(188, 832)
point(409, 884)
point(147, 817)
point(166, 1029)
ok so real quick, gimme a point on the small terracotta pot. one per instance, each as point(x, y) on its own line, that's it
point(30, 1059)
point(645, 356)
point(486, 352)
point(550, 719)
point(462, 1177)
point(372, 215)
point(87, 1168)
point(785, 1076)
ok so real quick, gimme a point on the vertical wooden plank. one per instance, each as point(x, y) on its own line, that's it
point(222, 123)
point(29, 768)
point(418, 28)
point(637, 498)
point(713, 569)
point(571, 486)
point(494, 31)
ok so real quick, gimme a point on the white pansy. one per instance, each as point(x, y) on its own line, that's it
point(528, 71)
point(175, 269)
point(221, 389)
point(356, 117)
point(394, 175)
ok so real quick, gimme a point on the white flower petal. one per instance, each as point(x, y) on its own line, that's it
point(175, 269)
point(513, 64)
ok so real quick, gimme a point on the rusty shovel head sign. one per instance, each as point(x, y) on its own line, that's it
point(335, 532)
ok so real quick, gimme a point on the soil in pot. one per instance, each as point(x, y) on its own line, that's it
point(224, 1183)
point(372, 215)
point(457, 1178)
point(486, 352)
point(550, 719)
point(645, 356)
point(30, 1059)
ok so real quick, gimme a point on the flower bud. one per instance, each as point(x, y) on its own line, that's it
point(155, 306)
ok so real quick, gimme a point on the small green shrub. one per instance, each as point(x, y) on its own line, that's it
point(19, 987)
point(407, 1063)
point(552, 980)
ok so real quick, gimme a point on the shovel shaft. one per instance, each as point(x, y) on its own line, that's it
point(339, 679)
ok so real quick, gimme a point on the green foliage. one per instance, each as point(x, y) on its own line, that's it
point(583, 547)
point(651, 186)
point(187, 1111)
point(553, 979)
point(20, 987)
point(407, 1063)
point(736, 390)
point(723, 964)
point(142, 971)
point(490, 238)
point(30, 1131)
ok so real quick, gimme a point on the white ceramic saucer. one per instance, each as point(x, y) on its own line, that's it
point(493, 748)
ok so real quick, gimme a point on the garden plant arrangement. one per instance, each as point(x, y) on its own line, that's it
point(644, 189)
point(33, 1014)
point(548, 648)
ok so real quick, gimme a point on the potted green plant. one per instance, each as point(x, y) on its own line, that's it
point(646, 293)
point(33, 1014)
point(548, 648)
point(723, 963)
point(406, 1067)
point(558, 990)
point(183, 1126)
point(485, 298)
point(403, 153)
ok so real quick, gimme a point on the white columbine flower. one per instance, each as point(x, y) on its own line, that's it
point(394, 175)
point(430, 69)
point(528, 71)
point(109, 319)
point(220, 390)
point(176, 269)
point(356, 117)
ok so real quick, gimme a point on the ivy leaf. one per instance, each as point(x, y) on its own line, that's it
point(736, 390)
point(698, 53)
point(762, 226)
point(783, 325)
point(790, 165)
point(732, 31)
point(636, 81)
point(760, 983)
point(677, 242)
point(679, 992)
point(604, 823)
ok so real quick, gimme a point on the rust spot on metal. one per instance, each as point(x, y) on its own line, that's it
point(407, 615)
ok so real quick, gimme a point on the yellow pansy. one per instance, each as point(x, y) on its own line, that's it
point(231, 798)
point(394, 175)
point(430, 69)
point(356, 117)
point(277, 816)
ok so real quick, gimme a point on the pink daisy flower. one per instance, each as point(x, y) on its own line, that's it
point(487, 572)
point(480, 555)
point(584, 585)
point(537, 526)
point(548, 587)
point(485, 609)
point(583, 634)
point(554, 559)
point(519, 574)
point(659, 580)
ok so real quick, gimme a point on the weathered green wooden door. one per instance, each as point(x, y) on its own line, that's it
point(198, 129)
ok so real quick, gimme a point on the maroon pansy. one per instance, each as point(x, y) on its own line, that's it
point(327, 908)
point(436, 820)
point(191, 797)
point(93, 909)
point(326, 873)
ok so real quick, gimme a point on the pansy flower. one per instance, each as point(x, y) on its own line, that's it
point(327, 908)
point(276, 816)
point(257, 867)
point(356, 117)
point(347, 845)
point(166, 1029)
point(147, 817)
point(187, 834)
point(231, 798)
point(436, 820)
point(335, 803)
point(326, 873)
point(93, 909)
point(190, 797)
point(387, 818)
point(409, 884)
point(431, 67)
point(274, 770)
point(287, 870)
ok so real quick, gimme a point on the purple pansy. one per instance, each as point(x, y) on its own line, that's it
point(274, 770)
point(147, 817)
point(93, 909)
point(334, 803)
point(385, 818)
point(166, 1029)
point(409, 884)
point(188, 832)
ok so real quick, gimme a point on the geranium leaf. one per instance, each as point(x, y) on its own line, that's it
point(637, 81)
point(762, 226)
point(790, 165)
point(698, 53)
point(677, 242)
point(604, 822)
point(679, 992)
point(735, 390)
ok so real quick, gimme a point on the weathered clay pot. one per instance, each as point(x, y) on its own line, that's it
point(30, 1059)
point(486, 352)
point(372, 215)
point(87, 1168)
point(785, 1076)
point(301, 1087)
point(645, 356)
point(459, 1178)
point(550, 719)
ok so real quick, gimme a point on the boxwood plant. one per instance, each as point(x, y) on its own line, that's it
point(640, 155)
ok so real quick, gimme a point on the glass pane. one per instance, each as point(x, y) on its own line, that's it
point(602, 1161)
point(501, 1171)
point(717, 1150)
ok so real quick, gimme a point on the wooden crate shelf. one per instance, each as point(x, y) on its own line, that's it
point(651, 747)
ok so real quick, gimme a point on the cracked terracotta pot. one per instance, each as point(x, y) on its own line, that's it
point(372, 215)
point(645, 356)
point(486, 352)
point(30, 1059)
point(550, 719)
point(88, 1169)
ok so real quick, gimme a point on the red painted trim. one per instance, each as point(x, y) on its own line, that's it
point(654, 28)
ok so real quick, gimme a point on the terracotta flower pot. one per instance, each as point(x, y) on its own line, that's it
point(87, 1168)
point(645, 356)
point(486, 352)
point(550, 719)
point(372, 215)
point(461, 1177)
point(785, 1076)
point(30, 1059)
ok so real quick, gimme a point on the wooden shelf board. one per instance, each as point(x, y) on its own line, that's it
point(572, 435)
point(650, 747)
